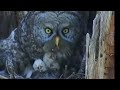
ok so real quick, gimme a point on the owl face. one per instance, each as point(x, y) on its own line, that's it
point(53, 31)
point(58, 32)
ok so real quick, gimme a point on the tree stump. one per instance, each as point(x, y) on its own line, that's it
point(100, 47)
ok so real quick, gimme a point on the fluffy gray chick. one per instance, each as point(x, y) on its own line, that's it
point(50, 61)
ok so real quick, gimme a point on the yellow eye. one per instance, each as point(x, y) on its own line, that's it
point(66, 30)
point(48, 30)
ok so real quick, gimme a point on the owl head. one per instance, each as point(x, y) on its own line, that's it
point(59, 32)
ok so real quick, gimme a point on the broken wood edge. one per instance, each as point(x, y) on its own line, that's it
point(98, 31)
point(87, 52)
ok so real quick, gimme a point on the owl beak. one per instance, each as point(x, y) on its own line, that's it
point(57, 40)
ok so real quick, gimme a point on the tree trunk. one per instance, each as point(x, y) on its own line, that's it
point(9, 20)
point(100, 47)
point(7, 23)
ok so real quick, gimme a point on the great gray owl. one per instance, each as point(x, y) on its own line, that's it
point(60, 33)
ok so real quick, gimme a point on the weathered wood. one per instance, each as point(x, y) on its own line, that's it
point(9, 20)
point(7, 23)
point(100, 48)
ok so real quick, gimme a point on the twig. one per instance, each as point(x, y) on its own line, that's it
point(3, 77)
point(61, 76)
point(72, 75)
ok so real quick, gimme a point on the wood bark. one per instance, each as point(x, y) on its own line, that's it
point(100, 47)
point(7, 23)
point(9, 20)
